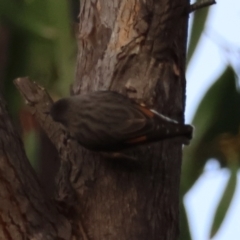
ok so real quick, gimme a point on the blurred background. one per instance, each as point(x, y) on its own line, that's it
point(210, 177)
point(38, 39)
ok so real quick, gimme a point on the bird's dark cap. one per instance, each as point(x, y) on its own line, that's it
point(59, 109)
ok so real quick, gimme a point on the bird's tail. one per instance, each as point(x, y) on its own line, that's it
point(168, 130)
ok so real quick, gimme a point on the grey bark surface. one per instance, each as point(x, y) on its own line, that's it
point(137, 48)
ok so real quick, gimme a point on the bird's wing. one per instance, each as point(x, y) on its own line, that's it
point(135, 128)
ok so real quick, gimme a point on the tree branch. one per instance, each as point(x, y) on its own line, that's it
point(200, 4)
point(39, 103)
point(70, 152)
point(24, 209)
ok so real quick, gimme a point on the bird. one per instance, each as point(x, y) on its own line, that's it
point(107, 121)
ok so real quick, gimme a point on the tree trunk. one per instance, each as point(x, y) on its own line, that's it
point(138, 49)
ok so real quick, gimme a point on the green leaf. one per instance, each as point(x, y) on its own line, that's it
point(184, 226)
point(199, 19)
point(226, 200)
point(218, 113)
point(27, 17)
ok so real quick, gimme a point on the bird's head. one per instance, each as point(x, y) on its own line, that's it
point(59, 111)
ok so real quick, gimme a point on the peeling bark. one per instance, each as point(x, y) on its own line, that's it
point(137, 48)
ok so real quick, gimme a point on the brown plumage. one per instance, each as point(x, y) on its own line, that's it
point(108, 121)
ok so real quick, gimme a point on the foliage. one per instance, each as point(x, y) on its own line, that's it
point(41, 45)
point(217, 135)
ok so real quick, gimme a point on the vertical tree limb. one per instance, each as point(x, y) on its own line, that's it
point(25, 213)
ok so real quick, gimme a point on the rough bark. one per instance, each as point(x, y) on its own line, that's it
point(25, 213)
point(138, 48)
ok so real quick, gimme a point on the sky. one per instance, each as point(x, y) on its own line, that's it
point(222, 32)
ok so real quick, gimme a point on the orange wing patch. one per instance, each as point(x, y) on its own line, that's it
point(137, 140)
point(146, 111)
